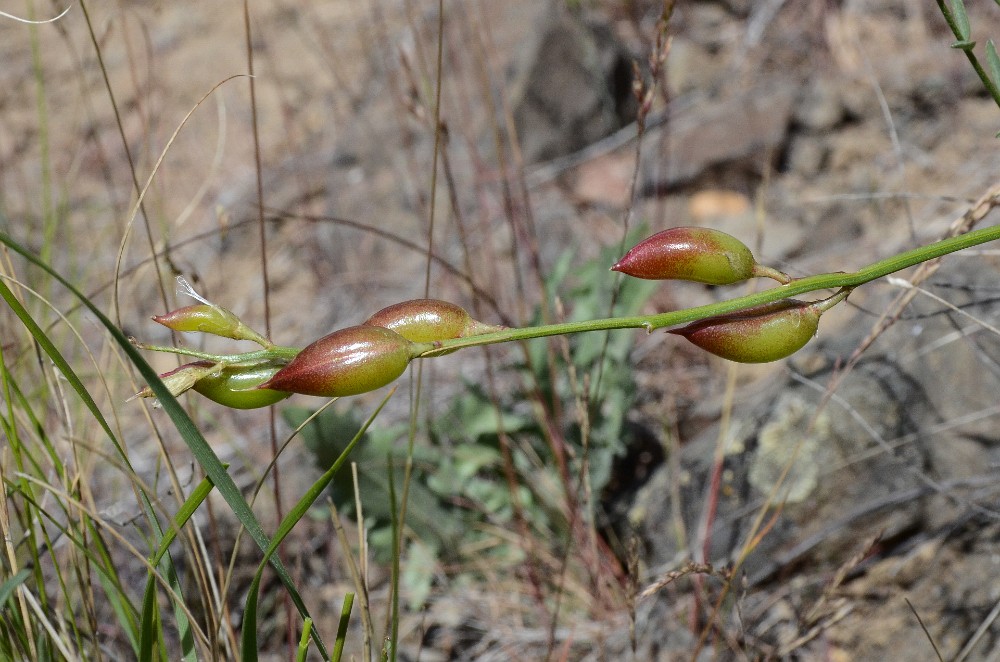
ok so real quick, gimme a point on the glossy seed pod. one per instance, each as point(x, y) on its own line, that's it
point(206, 318)
point(702, 255)
point(349, 361)
point(236, 386)
point(756, 335)
point(428, 320)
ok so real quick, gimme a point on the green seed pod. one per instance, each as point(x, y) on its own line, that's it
point(702, 255)
point(236, 386)
point(346, 362)
point(208, 318)
point(757, 335)
point(428, 320)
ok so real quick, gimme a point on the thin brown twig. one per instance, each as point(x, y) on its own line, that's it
point(266, 287)
point(131, 162)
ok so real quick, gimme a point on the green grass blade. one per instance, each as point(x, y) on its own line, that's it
point(78, 387)
point(202, 452)
point(150, 618)
point(150, 610)
point(397, 528)
point(345, 621)
point(186, 511)
point(8, 587)
point(300, 654)
point(99, 561)
point(249, 635)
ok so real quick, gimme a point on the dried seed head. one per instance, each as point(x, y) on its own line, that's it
point(688, 253)
point(346, 362)
point(756, 335)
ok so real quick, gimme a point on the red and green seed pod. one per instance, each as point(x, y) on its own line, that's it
point(689, 253)
point(757, 335)
point(209, 318)
point(428, 320)
point(350, 361)
point(236, 386)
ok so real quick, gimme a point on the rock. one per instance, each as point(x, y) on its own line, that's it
point(820, 107)
point(806, 155)
point(572, 87)
point(739, 134)
point(841, 484)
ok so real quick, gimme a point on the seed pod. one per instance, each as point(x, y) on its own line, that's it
point(209, 318)
point(236, 386)
point(687, 253)
point(759, 334)
point(346, 362)
point(428, 320)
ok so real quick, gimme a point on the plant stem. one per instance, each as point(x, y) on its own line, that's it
point(967, 47)
point(272, 353)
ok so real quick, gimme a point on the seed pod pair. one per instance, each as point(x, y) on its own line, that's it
point(696, 254)
point(363, 358)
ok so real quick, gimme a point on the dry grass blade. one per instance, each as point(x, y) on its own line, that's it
point(923, 627)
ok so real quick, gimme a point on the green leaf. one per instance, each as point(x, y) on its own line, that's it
point(417, 573)
point(961, 19)
point(472, 416)
point(964, 45)
point(994, 61)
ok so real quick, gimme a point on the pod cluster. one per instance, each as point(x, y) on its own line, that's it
point(346, 362)
point(753, 335)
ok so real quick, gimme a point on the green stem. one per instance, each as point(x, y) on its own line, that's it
point(272, 353)
point(827, 304)
point(761, 271)
point(848, 280)
point(966, 47)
